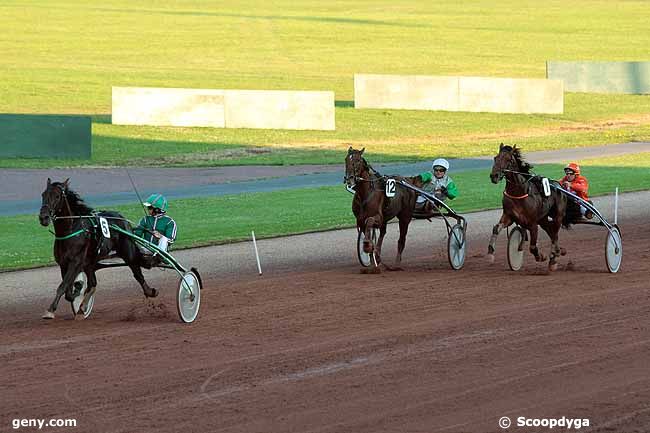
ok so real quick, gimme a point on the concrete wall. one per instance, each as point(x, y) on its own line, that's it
point(280, 109)
point(268, 109)
point(168, 107)
point(476, 94)
point(602, 77)
point(45, 136)
point(409, 92)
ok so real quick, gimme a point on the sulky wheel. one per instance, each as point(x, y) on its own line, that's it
point(456, 247)
point(188, 299)
point(366, 259)
point(83, 304)
point(516, 248)
point(613, 250)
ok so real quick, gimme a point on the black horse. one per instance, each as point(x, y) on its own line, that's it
point(525, 203)
point(79, 243)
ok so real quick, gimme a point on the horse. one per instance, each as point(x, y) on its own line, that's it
point(79, 245)
point(373, 209)
point(524, 203)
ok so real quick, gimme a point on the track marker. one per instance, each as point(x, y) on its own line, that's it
point(257, 255)
point(616, 207)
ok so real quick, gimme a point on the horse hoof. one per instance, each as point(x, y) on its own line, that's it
point(562, 252)
point(152, 293)
point(48, 315)
point(79, 316)
point(552, 267)
point(490, 258)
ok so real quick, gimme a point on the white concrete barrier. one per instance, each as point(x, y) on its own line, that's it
point(409, 92)
point(168, 107)
point(268, 109)
point(280, 109)
point(475, 94)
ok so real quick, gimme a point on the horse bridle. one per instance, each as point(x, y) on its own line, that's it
point(51, 210)
point(355, 176)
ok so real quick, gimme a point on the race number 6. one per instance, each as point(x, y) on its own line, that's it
point(547, 187)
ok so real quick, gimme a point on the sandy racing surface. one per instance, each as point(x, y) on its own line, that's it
point(315, 346)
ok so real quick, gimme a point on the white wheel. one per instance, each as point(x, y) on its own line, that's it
point(614, 250)
point(188, 299)
point(86, 300)
point(366, 259)
point(516, 248)
point(456, 247)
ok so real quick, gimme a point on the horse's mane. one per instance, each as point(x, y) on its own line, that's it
point(524, 166)
point(77, 205)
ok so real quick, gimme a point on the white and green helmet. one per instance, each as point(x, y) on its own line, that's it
point(157, 201)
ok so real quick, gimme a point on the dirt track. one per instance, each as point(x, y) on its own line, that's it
point(424, 350)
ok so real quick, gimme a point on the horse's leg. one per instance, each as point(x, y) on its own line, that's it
point(68, 273)
point(90, 290)
point(401, 243)
point(380, 242)
point(368, 245)
point(504, 222)
point(552, 228)
point(129, 252)
point(534, 232)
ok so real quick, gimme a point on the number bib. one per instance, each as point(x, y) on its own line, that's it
point(103, 223)
point(390, 188)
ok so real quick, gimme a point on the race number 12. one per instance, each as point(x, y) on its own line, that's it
point(390, 188)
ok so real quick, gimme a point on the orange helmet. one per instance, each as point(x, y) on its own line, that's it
point(573, 167)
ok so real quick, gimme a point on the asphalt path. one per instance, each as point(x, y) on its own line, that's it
point(323, 250)
point(111, 186)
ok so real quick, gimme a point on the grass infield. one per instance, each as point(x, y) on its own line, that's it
point(214, 220)
point(63, 57)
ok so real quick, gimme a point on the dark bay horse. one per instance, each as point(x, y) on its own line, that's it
point(78, 244)
point(524, 203)
point(373, 209)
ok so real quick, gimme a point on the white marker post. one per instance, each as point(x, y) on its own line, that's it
point(616, 207)
point(257, 255)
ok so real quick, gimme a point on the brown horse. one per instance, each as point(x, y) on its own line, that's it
point(525, 203)
point(373, 209)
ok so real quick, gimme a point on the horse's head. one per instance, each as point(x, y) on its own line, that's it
point(53, 199)
point(506, 159)
point(355, 167)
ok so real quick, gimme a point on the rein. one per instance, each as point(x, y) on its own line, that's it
point(529, 177)
point(515, 197)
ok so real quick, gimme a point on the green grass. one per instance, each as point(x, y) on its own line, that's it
point(63, 57)
point(223, 219)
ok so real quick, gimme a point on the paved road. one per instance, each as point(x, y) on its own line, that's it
point(102, 186)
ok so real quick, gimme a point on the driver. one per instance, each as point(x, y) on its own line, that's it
point(437, 182)
point(157, 227)
point(577, 184)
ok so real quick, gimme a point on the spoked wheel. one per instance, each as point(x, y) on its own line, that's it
point(516, 248)
point(188, 299)
point(614, 250)
point(366, 259)
point(456, 247)
point(86, 300)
